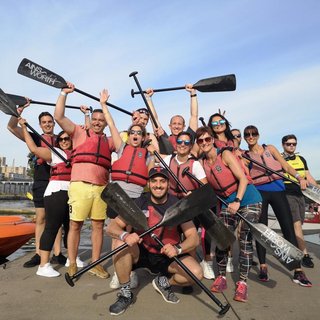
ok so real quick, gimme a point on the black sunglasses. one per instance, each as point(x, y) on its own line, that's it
point(64, 139)
point(252, 134)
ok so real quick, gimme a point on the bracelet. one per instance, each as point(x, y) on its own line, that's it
point(178, 248)
point(87, 113)
point(297, 176)
point(193, 95)
point(122, 235)
point(63, 93)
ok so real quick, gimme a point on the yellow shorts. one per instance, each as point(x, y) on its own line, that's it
point(85, 201)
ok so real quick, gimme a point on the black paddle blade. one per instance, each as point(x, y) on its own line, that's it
point(217, 84)
point(216, 229)
point(18, 100)
point(189, 207)
point(120, 202)
point(36, 72)
point(165, 146)
point(7, 105)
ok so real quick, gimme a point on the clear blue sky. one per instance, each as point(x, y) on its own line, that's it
point(272, 47)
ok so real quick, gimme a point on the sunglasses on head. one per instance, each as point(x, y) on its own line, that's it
point(138, 132)
point(206, 139)
point(144, 111)
point(216, 123)
point(237, 136)
point(252, 134)
point(64, 139)
point(186, 142)
point(288, 144)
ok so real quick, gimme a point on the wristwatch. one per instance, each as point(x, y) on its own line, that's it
point(236, 200)
point(179, 249)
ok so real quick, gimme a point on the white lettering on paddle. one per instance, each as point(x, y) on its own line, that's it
point(281, 249)
point(36, 72)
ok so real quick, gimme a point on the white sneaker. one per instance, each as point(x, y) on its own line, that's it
point(80, 263)
point(47, 271)
point(230, 267)
point(134, 281)
point(208, 272)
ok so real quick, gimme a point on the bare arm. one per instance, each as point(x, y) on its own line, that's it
point(65, 123)
point(193, 122)
point(148, 95)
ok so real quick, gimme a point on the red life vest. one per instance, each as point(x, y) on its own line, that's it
point(131, 167)
point(260, 175)
point(221, 144)
point(173, 140)
point(186, 181)
point(51, 140)
point(60, 171)
point(94, 150)
point(166, 234)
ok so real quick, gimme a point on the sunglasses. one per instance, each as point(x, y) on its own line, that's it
point(64, 139)
point(288, 144)
point(138, 132)
point(237, 136)
point(206, 139)
point(216, 123)
point(144, 111)
point(252, 134)
point(186, 142)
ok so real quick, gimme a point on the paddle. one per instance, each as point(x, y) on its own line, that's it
point(165, 145)
point(36, 72)
point(182, 211)
point(8, 107)
point(20, 101)
point(216, 229)
point(214, 84)
point(202, 121)
point(284, 251)
point(312, 192)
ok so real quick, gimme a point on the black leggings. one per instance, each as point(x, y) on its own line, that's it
point(280, 206)
point(57, 214)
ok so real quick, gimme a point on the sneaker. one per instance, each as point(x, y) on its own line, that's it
point(219, 285)
point(300, 278)
point(80, 263)
point(263, 274)
point(47, 271)
point(59, 259)
point(134, 281)
point(241, 293)
point(73, 269)
point(99, 272)
point(121, 305)
point(34, 261)
point(208, 272)
point(162, 285)
point(230, 267)
point(307, 261)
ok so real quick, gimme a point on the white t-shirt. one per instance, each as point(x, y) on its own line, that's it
point(56, 185)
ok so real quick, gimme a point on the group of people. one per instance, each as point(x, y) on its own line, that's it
point(70, 177)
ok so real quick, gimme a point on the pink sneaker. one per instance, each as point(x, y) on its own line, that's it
point(241, 293)
point(219, 285)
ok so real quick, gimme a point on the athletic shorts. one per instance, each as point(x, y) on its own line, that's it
point(38, 189)
point(297, 207)
point(85, 201)
point(156, 263)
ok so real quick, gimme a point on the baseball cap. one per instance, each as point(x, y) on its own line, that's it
point(159, 171)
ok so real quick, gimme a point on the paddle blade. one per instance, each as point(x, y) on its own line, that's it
point(165, 146)
point(189, 207)
point(216, 229)
point(18, 100)
point(312, 192)
point(121, 203)
point(36, 72)
point(7, 105)
point(217, 84)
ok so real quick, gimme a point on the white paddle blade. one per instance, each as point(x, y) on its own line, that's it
point(312, 192)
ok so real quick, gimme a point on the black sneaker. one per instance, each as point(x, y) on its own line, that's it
point(33, 262)
point(307, 261)
point(263, 275)
point(300, 278)
point(162, 285)
point(60, 259)
point(121, 305)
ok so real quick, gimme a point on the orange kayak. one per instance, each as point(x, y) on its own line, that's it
point(15, 231)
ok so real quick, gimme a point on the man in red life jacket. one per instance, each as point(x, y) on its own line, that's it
point(147, 253)
point(91, 162)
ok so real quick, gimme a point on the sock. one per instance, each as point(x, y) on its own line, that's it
point(125, 289)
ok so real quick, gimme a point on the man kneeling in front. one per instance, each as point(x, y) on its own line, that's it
point(146, 253)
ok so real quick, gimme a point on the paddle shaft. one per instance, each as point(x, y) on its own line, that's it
point(202, 121)
point(159, 90)
point(225, 308)
point(53, 104)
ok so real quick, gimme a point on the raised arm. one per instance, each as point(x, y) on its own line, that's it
point(148, 95)
point(193, 122)
point(65, 123)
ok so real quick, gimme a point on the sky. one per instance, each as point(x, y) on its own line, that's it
point(271, 46)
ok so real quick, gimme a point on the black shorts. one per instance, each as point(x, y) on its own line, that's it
point(38, 189)
point(156, 263)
